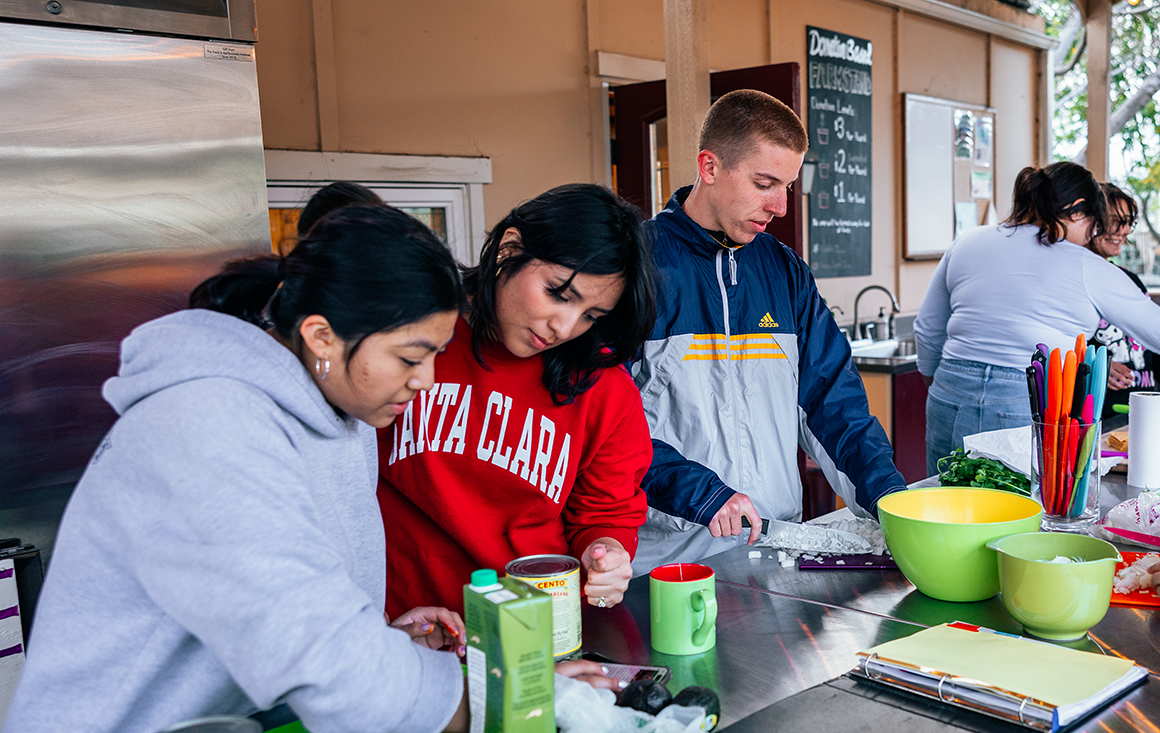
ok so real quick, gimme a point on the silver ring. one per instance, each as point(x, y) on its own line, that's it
point(938, 689)
point(600, 602)
point(866, 666)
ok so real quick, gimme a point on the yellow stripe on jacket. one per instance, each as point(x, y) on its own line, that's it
point(711, 347)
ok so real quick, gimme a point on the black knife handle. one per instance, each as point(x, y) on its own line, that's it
point(764, 524)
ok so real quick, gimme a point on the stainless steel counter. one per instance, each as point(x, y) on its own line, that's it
point(768, 646)
point(781, 631)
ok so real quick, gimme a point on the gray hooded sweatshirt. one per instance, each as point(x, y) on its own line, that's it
point(222, 554)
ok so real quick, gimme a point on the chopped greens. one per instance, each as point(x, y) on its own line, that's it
point(960, 469)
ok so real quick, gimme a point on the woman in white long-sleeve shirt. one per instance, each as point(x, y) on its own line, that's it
point(1000, 290)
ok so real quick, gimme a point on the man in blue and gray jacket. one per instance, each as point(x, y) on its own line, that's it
point(745, 362)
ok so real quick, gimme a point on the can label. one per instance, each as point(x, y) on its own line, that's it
point(559, 577)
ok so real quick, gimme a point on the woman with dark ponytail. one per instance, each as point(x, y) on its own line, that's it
point(223, 552)
point(534, 442)
point(1000, 290)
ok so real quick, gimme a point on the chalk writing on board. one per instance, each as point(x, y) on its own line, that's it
point(840, 86)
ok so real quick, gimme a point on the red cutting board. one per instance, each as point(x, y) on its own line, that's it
point(1145, 597)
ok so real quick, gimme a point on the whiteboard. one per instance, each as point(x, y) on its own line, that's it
point(929, 202)
point(949, 172)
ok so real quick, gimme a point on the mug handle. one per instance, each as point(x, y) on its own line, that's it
point(704, 600)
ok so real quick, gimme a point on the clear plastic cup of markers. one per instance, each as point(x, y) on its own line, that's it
point(1065, 476)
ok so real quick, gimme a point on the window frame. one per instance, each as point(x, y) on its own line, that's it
point(455, 184)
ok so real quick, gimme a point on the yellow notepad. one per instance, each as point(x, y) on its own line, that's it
point(1040, 671)
point(1009, 676)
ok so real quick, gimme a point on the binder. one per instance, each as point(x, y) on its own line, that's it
point(1031, 683)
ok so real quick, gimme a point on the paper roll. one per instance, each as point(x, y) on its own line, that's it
point(1144, 440)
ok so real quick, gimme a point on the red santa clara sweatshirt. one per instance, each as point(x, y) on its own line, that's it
point(484, 468)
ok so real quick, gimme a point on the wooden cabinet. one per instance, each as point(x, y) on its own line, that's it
point(908, 435)
point(880, 395)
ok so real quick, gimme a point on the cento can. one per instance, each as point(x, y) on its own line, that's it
point(559, 577)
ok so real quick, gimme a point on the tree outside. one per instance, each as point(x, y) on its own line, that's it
point(1134, 157)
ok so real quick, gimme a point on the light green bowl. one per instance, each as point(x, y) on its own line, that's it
point(939, 537)
point(1055, 600)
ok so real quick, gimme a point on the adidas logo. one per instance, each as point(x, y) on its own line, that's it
point(767, 322)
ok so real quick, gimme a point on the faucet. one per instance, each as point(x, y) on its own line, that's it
point(834, 311)
point(893, 309)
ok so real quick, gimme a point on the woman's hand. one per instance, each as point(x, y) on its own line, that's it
point(590, 672)
point(434, 627)
point(578, 669)
point(609, 569)
point(1120, 376)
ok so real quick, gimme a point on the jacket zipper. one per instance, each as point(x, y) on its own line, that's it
point(724, 294)
point(730, 376)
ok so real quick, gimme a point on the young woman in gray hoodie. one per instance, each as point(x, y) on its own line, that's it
point(223, 552)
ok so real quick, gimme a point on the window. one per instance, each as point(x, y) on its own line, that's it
point(440, 208)
point(446, 194)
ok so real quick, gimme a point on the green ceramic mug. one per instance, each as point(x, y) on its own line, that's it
point(683, 608)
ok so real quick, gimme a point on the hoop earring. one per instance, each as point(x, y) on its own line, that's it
point(322, 368)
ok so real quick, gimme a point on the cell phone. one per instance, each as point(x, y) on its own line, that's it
point(630, 672)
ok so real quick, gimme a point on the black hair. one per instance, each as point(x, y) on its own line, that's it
point(335, 196)
point(364, 269)
point(1116, 195)
point(1043, 197)
point(589, 229)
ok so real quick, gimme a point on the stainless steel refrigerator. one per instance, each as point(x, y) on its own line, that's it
point(130, 169)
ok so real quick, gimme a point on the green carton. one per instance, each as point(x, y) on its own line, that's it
point(510, 672)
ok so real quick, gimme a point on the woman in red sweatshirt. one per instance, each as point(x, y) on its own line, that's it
point(533, 440)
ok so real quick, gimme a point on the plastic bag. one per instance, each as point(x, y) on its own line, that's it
point(581, 708)
point(1141, 515)
point(678, 719)
point(1012, 448)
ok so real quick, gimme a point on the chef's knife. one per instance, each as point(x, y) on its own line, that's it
point(1139, 537)
point(810, 537)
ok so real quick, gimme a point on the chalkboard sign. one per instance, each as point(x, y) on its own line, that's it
point(839, 122)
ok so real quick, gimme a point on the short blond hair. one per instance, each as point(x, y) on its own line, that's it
point(739, 119)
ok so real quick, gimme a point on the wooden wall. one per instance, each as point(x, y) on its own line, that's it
point(513, 80)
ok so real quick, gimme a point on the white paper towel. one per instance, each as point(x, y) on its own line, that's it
point(1144, 440)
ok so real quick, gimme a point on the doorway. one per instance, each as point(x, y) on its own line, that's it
point(640, 161)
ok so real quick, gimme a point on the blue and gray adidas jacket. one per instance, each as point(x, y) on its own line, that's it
point(745, 364)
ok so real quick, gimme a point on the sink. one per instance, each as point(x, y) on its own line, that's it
point(869, 349)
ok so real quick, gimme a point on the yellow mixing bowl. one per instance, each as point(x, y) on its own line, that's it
point(939, 537)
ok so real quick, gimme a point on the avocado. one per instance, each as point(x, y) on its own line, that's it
point(700, 697)
point(647, 696)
